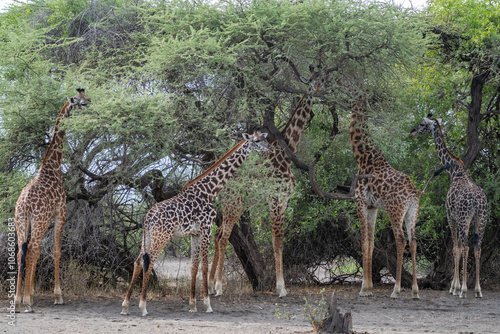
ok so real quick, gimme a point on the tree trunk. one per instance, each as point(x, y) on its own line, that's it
point(439, 277)
point(337, 322)
point(474, 118)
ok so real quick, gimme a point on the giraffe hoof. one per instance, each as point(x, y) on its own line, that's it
point(29, 311)
point(366, 294)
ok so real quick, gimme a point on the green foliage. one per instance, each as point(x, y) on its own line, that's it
point(315, 314)
point(174, 84)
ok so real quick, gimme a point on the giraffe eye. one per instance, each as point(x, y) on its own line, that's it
point(257, 140)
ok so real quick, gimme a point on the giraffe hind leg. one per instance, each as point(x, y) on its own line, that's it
point(477, 256)
point(367, 219)
point(59, 222)
point(137, 270)
point(215, 261)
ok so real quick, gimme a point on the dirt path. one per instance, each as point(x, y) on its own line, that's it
point(435, 312)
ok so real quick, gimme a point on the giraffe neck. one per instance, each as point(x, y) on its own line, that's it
point(295, 125)
point(53, 156)
point(365, 152)
point(445, 156)
point(214, 178)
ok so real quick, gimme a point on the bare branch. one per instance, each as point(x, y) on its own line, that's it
point(269, 124)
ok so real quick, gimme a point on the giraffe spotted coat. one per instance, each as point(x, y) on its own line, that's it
point(41, 200)
point(190, 213)
point(391, 191)
point(466, 203)
point(282, 169)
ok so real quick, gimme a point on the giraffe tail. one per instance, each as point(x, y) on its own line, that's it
point(145, 259)
point(24, 250)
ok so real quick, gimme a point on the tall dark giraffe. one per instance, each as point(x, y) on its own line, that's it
point(465, 203)
point(41, 200)
point(190, 213)
point(282, 169)
point(391, 191)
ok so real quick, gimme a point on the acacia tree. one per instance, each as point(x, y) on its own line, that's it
point(173, 85)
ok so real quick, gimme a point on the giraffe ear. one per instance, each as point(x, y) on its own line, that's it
point(246, 136)
point(439, 120)
point(264, 134)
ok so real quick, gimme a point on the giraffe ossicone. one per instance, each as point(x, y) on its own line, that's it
point(465, 203)
point(41, 200)
point(190, 213)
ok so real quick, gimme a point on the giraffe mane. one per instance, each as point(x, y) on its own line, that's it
point(446, 148)
point(55, 127)
point(215, 165)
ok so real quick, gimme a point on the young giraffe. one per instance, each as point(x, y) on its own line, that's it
point(41, 200)
point(465, 202)
point(190, 213)
point(282, 166)
point(391, 191)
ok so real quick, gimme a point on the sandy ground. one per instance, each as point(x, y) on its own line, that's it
point(247, 312)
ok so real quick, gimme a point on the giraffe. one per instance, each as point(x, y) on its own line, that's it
point(465, 202)
point(190, 213)
point(282, 169)
point(41, 200)
point(391, 191)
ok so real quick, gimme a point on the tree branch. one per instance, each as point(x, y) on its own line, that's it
point(269, 124)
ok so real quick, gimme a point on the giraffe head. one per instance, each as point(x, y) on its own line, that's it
point(316, 79)
point(78, 101)
point(257, 141)
point(426, 126)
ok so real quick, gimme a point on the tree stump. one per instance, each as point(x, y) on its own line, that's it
point(337, 322)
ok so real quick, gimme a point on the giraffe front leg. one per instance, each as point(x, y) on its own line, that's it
point(367, 219)
point(204, 270)
point(277, 216)
point(455, 282)
point(414, 288)
point(195, 261)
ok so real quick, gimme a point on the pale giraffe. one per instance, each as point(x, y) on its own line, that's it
point(465, 202)
point(41, 200)
point(282, 169)
point(190, 213)
point(391, 191)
